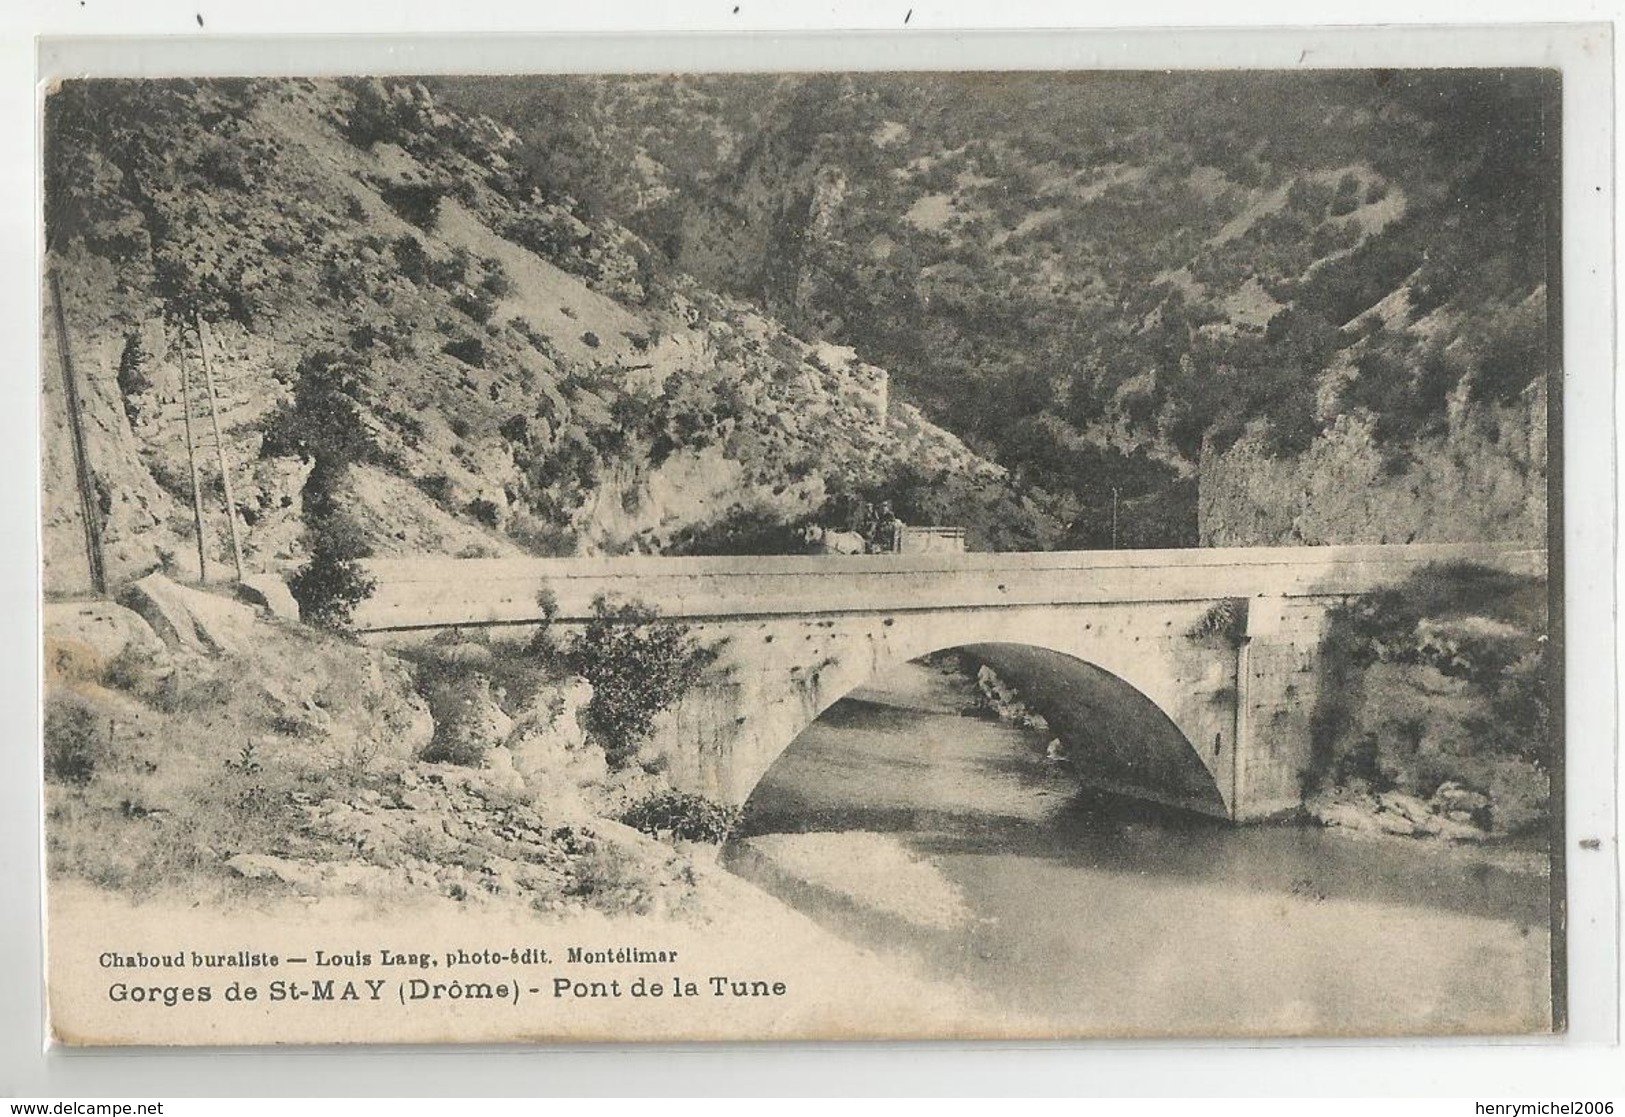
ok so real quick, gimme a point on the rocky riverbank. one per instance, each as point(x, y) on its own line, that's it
point(1389, 805)
point(199, 746)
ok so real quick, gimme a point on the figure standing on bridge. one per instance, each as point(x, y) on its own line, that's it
point(862, 521)
point(888, 534)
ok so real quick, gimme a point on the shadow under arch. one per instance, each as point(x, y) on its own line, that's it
point(1115, 737)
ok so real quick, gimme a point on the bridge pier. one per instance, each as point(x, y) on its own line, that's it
point(1277, 691)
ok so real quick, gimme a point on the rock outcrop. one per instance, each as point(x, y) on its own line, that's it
point(463, 833)
point(270, 592)
point(1485, 479)
point(527, 379)
point(190, 619)
point(1357, 808)
point(548, 745)
point(83, 639)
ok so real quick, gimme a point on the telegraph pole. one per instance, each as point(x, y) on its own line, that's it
point(219, 445)
point(191, 463)
point(89, 510)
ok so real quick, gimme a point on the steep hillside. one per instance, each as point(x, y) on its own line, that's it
point(1105, 280)
point(406, 325)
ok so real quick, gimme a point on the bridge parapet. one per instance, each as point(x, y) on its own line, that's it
point(427, 593)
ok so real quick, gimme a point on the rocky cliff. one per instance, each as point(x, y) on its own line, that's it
point(1485, 478)
point(521, 376)
point(1106, 281)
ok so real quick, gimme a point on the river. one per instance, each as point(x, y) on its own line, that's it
point(950, 842)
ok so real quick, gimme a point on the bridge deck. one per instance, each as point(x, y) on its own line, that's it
point(439, 592)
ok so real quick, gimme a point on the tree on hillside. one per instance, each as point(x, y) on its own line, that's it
point(639, 666)
point(323, 425)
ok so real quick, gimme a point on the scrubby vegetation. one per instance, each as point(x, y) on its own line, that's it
point(416, 202)
point(1443, 682)
point(297, 764)
point(74, 739)
point(444, 285)
point(323, 425)
point(1094, 292)
point(332, 581)
point(1224, 620)
point(1096, 287)
point(684, 817)
point(133, 381)
point(639, 666)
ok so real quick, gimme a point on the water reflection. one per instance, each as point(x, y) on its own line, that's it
point(1113, 915)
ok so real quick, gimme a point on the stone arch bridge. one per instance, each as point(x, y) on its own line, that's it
point(1188, 677)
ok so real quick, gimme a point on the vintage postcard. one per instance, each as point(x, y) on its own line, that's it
point(803, 556)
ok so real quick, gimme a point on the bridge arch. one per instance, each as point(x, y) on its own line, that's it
point(1115, 736)
point(1140, 707)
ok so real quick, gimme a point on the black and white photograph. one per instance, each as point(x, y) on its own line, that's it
point(803, 556)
